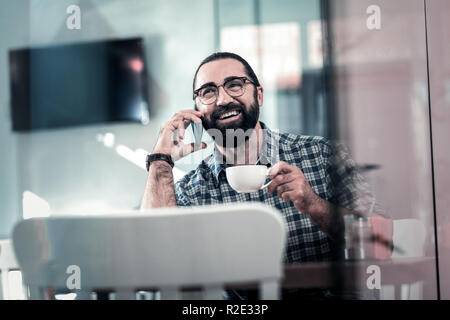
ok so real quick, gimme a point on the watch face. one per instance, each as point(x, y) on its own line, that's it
point(147, 162)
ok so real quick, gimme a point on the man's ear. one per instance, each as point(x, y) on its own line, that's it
point(259, 95)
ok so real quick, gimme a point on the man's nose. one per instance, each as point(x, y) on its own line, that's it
point(223, 98)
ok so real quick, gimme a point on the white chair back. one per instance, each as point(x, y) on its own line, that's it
point(8, 263)
point(408, 238)
point(167, 249)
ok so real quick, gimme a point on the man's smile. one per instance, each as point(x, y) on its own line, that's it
point(230, 116)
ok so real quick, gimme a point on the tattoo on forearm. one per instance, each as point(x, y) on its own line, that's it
point(160, 187)
point(162, 173)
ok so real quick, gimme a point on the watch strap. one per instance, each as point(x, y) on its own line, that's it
point(158, 156)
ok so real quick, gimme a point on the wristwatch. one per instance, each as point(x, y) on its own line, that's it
point(158, 156)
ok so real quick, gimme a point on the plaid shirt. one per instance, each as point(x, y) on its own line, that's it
point(317, 159)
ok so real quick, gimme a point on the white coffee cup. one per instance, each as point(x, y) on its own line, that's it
point(249, 178)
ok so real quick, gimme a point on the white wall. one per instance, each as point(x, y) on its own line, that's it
point(69, 167)
point(14, 26)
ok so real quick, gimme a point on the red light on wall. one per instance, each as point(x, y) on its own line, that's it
point(136, 65)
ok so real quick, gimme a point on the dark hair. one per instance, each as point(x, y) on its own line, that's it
point(228, 55)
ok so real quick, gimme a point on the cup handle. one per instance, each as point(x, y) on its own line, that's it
point(267, 184)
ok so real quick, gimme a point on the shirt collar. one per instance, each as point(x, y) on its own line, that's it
point(267, 155)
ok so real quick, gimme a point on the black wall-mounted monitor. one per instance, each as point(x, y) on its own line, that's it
point(78, 84)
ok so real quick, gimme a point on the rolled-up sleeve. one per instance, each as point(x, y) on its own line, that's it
point(350, 188)
point(181, 196)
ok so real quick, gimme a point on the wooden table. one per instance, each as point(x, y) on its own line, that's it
point(394, 272)
point(354, 275)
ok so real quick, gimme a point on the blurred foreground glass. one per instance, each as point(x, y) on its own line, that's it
point(358, 238)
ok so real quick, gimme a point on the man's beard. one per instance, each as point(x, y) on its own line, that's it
point(247, 121)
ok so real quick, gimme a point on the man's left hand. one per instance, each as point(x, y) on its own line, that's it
point(291, 185)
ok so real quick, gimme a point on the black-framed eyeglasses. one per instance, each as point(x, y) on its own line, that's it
point(234, 87)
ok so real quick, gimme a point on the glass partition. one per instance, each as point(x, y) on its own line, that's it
point(380, 55)
point(438, 27)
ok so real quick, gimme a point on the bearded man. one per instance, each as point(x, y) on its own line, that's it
point(228, 97)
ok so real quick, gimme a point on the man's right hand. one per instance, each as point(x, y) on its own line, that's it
point(171, 135)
